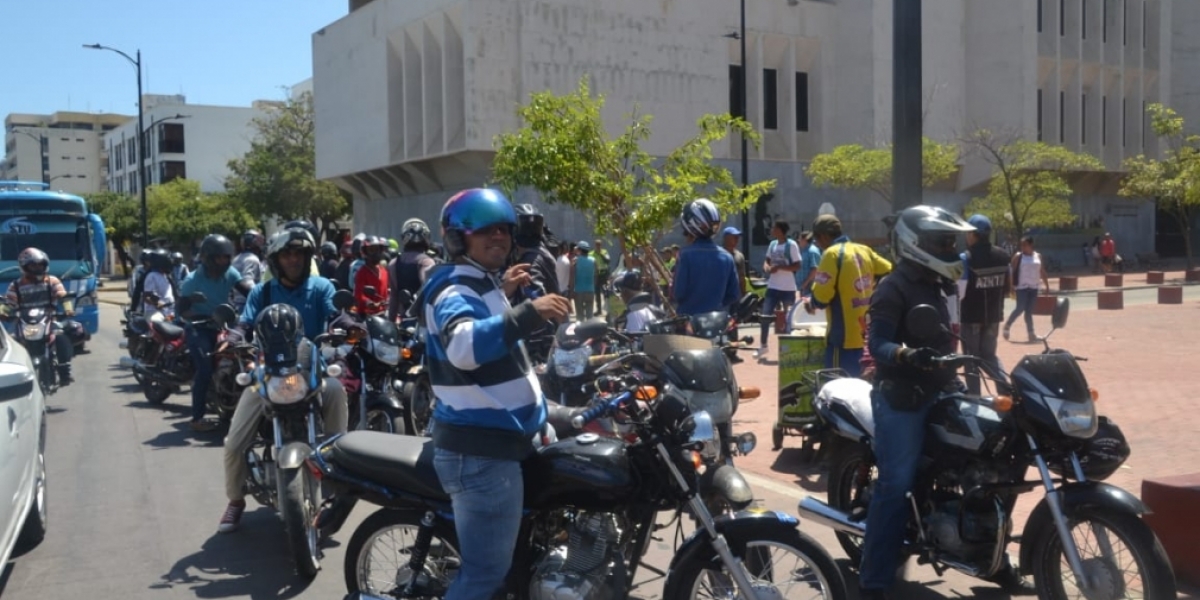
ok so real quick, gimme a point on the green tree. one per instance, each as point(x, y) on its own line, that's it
point(1029, 187)
point(564, 152)
point(855, 167)
point(277, 177)
point(1172, 181)
point(122, 222)
point(181, 214)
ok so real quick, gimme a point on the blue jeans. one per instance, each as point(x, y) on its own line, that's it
point(899, 436)
point(849, 361)
point(1026, 298)
point(487, 495)
point(201, 342)
point(773, 299)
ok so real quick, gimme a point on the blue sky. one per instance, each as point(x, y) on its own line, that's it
point(224, 52)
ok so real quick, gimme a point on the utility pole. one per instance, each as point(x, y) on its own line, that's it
point(906, 103)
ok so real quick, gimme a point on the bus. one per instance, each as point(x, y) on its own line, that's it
point(61, 225)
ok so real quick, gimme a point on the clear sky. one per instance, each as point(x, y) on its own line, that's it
point(223, 52)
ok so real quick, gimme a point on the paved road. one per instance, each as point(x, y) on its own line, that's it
point(135, 498)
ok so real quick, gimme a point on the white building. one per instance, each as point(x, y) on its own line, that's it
point(63, 149)
point(410, 94)
point(192, 141)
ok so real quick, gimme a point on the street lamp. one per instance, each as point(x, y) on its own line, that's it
point(141, 145)
point(741, 36)
point(154, 161)
point(40, 138)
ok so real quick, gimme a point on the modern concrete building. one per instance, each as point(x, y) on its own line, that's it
point(411, 93)
point(191, 141)
point(63, 149)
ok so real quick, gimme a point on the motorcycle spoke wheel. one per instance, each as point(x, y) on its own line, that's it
point(420, 407)
point(777, 570)
point(1120, 556)
point(386, 422)
point(852, 474)
point(298, 504)
point(377, 558)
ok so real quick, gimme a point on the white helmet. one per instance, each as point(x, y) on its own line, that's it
point(928, 236)
point(414, 231)
point(701, 218)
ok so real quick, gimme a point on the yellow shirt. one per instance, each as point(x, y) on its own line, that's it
point(844, 283)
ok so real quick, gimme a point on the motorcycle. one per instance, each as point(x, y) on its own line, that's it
point(231, 358)
point(164, 364)
point(591, 505)
point(977, 452)
point(36, 329)
point(577, 350)
point(412, 384)
point(368, 351)
point(286, 436)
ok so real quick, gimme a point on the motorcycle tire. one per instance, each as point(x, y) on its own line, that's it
point(1154, 570)
point(155, 392)
point(850, 492)
point(34, 530)
point(299, 501)
point(419, 406)
point(689, 578)
point(387, 420)
point(443, 553)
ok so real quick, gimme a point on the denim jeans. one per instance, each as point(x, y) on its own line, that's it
point(899, 436)
point(1026, 298)
point(849, 361)
point(774, 299)
point(487, 495)
point(979, 339)
point(201, 342)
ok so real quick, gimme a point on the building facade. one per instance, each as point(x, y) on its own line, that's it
point(190, 141)
point(62, 149)
point(410, 94)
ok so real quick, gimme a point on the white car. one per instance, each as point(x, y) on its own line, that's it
point(22, 451)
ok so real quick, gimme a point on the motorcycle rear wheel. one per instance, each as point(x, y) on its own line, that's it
point(389, 535)
point(419, 407)
point(155, 392)
point(387, 420)
point(299, 501)
point(852, 472)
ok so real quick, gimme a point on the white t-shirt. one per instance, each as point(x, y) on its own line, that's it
point(787, 253)
point(157, 283)
point(1029, 272)
point(562, 268)
point(637, 320)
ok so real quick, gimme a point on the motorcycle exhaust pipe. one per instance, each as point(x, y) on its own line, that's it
point(823, 514)
point(127, 362)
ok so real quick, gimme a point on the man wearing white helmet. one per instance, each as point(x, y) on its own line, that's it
point(408, 271)
point(705, 276)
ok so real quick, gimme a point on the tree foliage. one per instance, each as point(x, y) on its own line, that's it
point(564, 152)
point(277, 176)
point(1029, 187)
point(856, 167)
point(122, 222)
point(181, 214)
point(1173, 180)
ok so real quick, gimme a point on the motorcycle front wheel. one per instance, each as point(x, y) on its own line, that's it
point(386, 420)
point(377, 558)
point(1120, 555)
point(852, 475)
point(783, 563)
point(299, 501)
point(420, 406)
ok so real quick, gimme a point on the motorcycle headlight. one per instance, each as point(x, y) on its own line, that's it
point(571, 363)
point(287, 389)
point(32, 331)
point(386, 353)
point(703, 432)
point(1076, 419)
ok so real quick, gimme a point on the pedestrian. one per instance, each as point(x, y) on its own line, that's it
point(583, 281)
point(603, 261)
point(780, 264)
point(810, 257)
point(1087, 255)
point(730, 238)
point(986, 274)
point(1108, 253)
point(1027, 269)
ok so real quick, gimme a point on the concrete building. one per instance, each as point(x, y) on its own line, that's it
point(63, 149)
point(410, 94)
point(192, 141)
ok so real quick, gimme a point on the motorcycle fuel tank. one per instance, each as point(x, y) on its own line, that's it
point(969, 426)
point(586, 471)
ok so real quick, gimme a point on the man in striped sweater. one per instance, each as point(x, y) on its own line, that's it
point(489, 402)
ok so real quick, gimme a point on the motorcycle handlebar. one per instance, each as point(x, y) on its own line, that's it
point(595, 412)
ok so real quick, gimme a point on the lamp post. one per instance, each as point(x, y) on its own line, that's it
point(40, 138)
point(141, 145)
point(154, 161)
point(906, 103)
point(740, 35)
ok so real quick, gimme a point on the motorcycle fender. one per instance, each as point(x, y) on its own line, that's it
point(293, 455)
point(1075, 495)
point(738, 527)
point(729, 484)
point(379, 398)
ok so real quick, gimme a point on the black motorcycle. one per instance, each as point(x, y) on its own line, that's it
point(36, 329)
point(577, 351)
point(368, 349)
point(591, 506)
point(1084, 535)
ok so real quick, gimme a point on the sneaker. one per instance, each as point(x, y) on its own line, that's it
point(202, 426)
point(1033, 337)
point(761, 352)
point(1006, 334)
point(232, 517)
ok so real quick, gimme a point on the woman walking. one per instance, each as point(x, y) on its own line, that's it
point(1027, 269)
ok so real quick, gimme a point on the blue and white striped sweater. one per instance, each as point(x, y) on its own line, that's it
point(479, 369)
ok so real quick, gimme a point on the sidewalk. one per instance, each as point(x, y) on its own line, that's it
point(1089, 282)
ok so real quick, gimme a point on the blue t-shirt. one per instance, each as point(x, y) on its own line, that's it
point(585, 274)
point(810, 258)
point(216, 290)
point(313, 298)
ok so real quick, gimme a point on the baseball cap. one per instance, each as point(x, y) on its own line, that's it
point(732, 231)
point(981, 224)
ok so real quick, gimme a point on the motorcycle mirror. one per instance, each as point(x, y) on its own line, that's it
point(242, 379)
point(1062, 308)
point(343, 299)
point(224, 315)
point(333, 370)
point(746, 443)
point(924, 321)
point(592, 328)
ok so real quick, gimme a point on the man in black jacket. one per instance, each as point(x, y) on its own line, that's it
point(531, 249)
point(987, 283)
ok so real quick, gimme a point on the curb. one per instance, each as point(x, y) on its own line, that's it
point(1123, 288)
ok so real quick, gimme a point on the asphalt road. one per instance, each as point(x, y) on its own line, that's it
point(134, 501)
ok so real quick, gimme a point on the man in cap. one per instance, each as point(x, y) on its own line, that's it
point(730, 239)
point(810, 257)
point(984, 284)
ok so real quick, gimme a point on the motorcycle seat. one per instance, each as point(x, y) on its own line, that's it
point(399, 462)
point(167, 330)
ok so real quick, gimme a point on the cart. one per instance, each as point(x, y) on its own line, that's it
point(801, 374)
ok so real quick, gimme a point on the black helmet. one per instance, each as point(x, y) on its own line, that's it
point(214, 245)
point(252, 241)
point(278, 330)
point(159, 260)
point(356, 245)
point(329, 250)
point(176, 258)
point(1104, 452)
point(630, 280)
point(530, 225)
point(306, 226)
point(143, 256)
point(289, 238)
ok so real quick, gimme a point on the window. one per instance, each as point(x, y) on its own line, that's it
point(1103, 120)
point(79, 139)
point(131, 152)
point(118, 153)
point(1039, 9)
point(1039, 115)
point(1062, 117)
point(66, 158)
point(1104, 20)
point(1083, 18)
point(65, 139)
point(172, 169)
point(82, 176)
point(170, 137)
point(1143, 23)
point(770, 99)
point(1124, 108)
point(1083, 122)
point(1124, 24)
point(735, 91)
point(1062, 17)
point(801, 101)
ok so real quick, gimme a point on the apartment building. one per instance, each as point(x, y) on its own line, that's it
point(62, 148)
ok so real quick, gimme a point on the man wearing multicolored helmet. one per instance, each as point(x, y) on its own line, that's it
point(705, 276)
point(490, 404)
point(36, 288)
